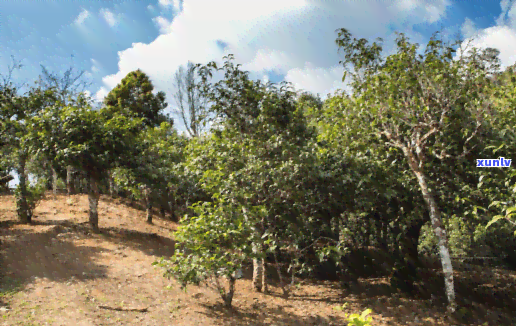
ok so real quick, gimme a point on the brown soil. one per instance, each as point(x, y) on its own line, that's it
point(55, 272)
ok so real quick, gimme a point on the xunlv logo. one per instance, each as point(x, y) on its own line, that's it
point(489, 163)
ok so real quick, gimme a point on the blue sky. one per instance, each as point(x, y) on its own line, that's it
point(290, 40)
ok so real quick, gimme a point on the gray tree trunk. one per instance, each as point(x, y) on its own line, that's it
point(54, 181)
point(385, 236)
point(259, 280)
point(259, 275)
point(440, 232)
point(93, 198)
point(70, 185)
point(21, 202)
point(148, 203)
point(113, 191)
point(228, 297)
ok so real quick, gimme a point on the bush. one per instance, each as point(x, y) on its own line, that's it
point(34, 194)
point(212, 244)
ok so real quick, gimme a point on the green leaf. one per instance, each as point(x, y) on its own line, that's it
point(494, 220)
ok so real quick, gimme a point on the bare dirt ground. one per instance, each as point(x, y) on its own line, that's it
point(55, 272)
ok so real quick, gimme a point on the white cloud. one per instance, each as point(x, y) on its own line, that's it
point(82, 17)
point(108, 16)
point(174, 4)
point(502, 36)
point(293, 37)
point(316, 79)
point(468, 28)
point(266, 59)
point(512, 16)
point(101, 93)
point(505, 6)
point(163, 24)
point(430, 11)
point(95, 66)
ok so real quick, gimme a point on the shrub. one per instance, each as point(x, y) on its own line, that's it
point(211, 244)
point(34, 194)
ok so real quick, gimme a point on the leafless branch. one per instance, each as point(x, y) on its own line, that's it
point(68, 84)
point(123, 308)
point(191, 104)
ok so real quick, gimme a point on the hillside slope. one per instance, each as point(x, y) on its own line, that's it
point(56, 272)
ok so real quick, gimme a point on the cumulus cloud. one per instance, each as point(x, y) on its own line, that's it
point(295, 38)
point(505, 6)
point(95, 66)
point(430, 11)
point(316, 79)
point(468, 28)
point(101, 93)
point(174, 4)
point(82, 17)
point(109, 17)
point(163, 24)
point(502, 36)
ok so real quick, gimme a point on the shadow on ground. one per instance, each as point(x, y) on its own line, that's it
point(45, 250)
point(149, 243)
point(258, 315)
point(27, 254)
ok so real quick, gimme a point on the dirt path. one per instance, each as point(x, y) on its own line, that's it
point(56, 272)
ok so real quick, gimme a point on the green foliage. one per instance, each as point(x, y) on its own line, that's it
point(17, 115)
point(360, 320)
point(86, 140)
point(510, 215)
point(160, 152)
point(134, 97)
point(212, 243)
point(261, 154)
point(33, 194)
point(357, 319)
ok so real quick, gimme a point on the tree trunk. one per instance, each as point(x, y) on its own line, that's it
point(369, 229)
point(259, 277)
point(48, 177)
point(172, 209)
point(93, 198)
point(257, 269)
point(405, 273)
point(54, 181)
point(148, 203)
point(77, 184)
point(384, 242)
point(410, 244)
point(112, 187)
point(440, 232)
point(21, 202)
point(228, 297)
point(377, 233)
point(70, 186)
